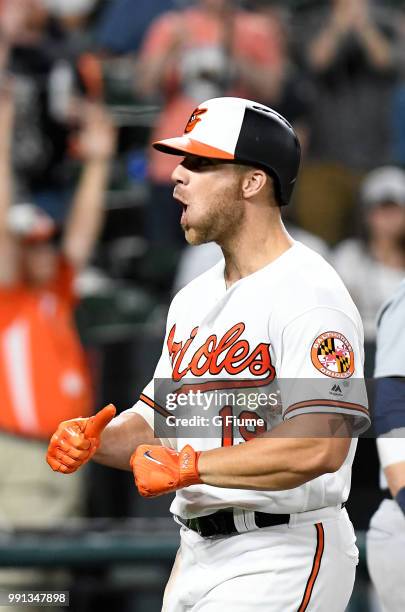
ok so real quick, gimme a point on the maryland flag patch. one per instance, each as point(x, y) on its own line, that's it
point(332, 354)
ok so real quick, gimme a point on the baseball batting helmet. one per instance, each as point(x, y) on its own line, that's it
point(245, 132)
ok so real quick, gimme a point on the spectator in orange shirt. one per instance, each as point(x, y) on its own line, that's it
point(208, 50)
point(43, 374)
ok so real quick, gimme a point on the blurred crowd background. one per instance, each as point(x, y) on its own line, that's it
point(87, 85)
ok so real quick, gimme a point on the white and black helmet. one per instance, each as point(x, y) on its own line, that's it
point(243, 131)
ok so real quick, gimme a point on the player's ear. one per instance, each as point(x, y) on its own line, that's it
point(254, 181)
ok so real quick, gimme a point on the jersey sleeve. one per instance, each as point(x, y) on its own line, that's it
point(151, 409)
point(390, 354)
point(320, 367)
point(150, 404)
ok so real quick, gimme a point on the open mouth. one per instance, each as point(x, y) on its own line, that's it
point(184, 206)
point(183, 219)
point(178, 198)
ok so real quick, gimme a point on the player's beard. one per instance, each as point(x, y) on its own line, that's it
point(221, 220)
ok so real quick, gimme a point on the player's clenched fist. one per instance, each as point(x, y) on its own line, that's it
point(75, 441)
point(159, 470)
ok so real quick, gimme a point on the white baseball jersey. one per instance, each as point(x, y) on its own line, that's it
point(293, 321)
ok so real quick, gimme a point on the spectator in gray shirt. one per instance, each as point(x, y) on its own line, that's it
point(373, 265)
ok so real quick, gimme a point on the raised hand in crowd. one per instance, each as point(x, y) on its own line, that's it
point(98, 135)
point(19, 18)
point(350, 17)
point(95, 145)
point(7, 247)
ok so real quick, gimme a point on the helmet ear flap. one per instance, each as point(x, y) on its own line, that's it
point(275, 184)
point(268, 141)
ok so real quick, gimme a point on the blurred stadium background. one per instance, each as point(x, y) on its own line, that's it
point(350, 113)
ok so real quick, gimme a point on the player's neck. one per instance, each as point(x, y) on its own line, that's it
point(252, 250)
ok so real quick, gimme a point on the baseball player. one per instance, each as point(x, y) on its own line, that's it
point(386, 536)
point(261, 505)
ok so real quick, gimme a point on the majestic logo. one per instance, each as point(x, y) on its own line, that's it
point(194, 119)
point(332, 354)
point(230, 354)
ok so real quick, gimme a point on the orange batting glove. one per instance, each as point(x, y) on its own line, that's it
point(74, 442)
point(159, 470)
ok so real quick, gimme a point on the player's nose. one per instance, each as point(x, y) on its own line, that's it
point(180, 174)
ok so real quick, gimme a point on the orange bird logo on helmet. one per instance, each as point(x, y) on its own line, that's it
point(194, 119)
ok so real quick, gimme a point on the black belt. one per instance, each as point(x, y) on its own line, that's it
point(222, 523)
